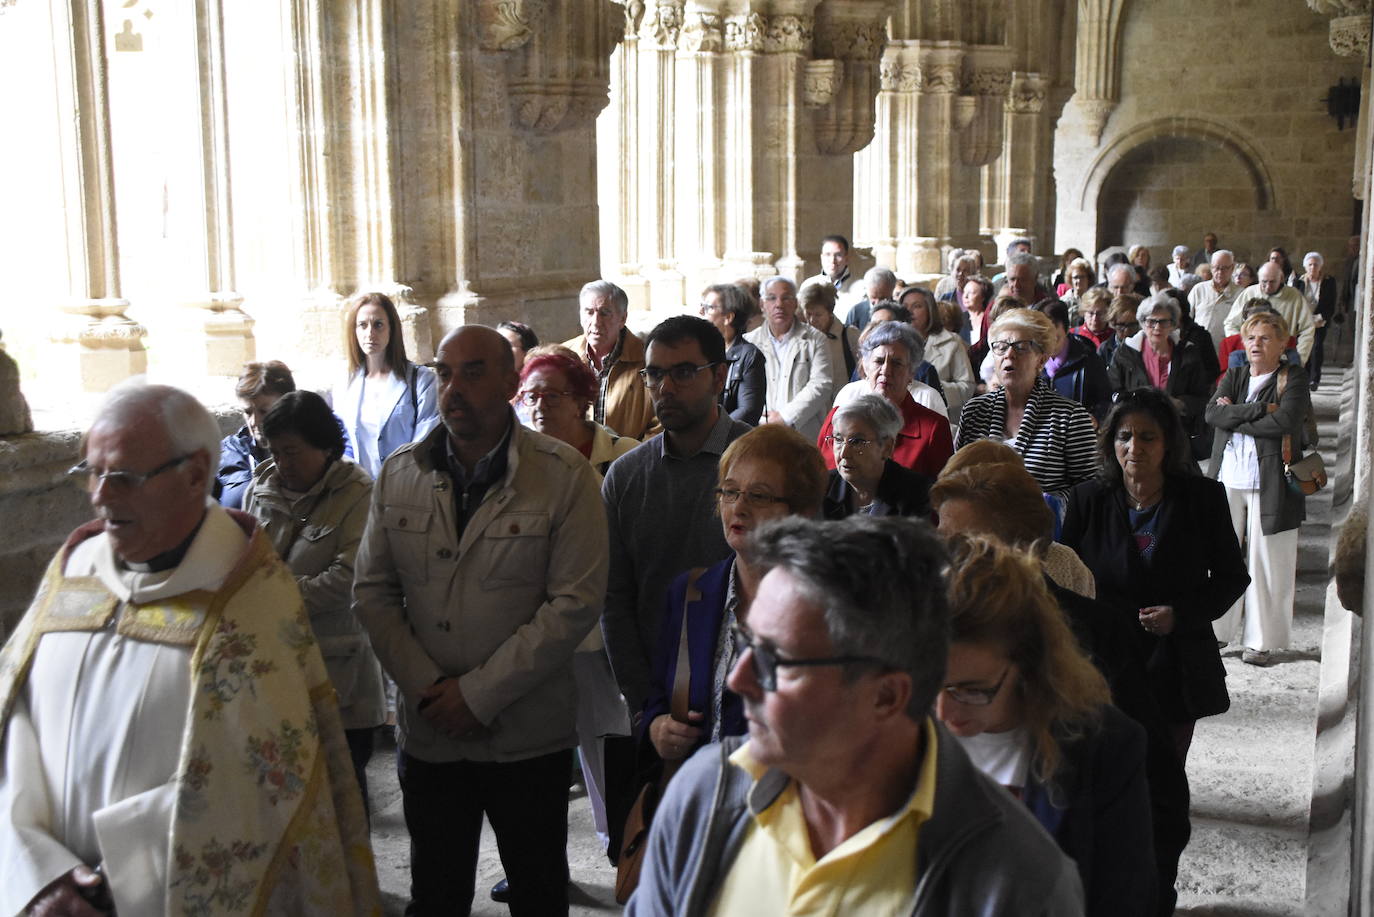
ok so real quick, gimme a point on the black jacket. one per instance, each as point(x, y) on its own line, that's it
point(1082, 377)
point(1326, 295)
point(1189, 383)
point(1197, 568)
point(901, 492)
point(744, 383)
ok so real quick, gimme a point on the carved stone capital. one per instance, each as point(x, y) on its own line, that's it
point(821, 81)
point(634, 14)
point(745, 33)
point(1350, 35)
point(504, 25)
point(661, 25)
point(940, 76)
point(896, 76)
point(851, 40)
point(1338, 7)
point(1095, 113)
point(787, 34)
point(1028, 93)
point(702, 33)
point(562, 79)
point(992, 81)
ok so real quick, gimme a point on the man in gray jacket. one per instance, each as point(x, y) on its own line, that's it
point(847, 796)
point(482, 568)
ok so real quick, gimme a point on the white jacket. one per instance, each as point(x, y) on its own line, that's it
point(799, 384)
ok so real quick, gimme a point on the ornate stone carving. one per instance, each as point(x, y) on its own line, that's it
point(1338, 7)
point(560, 79)
point(1350, 35)
point(898, 77)
point(787, 34)
point(702, 33)
point(634, 13)
point(661, 25)
point(822, 79)
point(1028, 94)
point(988, 82)
point(744, 33)
point(852, 40)
point(940, 76)
point(1095, 113)
point(504, 25)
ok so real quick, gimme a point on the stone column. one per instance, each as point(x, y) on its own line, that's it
point(696, 192)
point(1024, 166)
point(744, 34)
point(617, 131)
point(655, 177)
point(98, 346)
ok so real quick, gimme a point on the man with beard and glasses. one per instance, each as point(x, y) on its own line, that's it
point(482, 567)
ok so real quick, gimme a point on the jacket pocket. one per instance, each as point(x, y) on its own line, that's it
point(515, 548)
point(408, 535)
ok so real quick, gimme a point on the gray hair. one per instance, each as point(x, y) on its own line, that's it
point(953, 257)
point(1180, 250)
point(776, 278)
point(1126, 268)
point(874, 410)
point(1022, 258)
point(880, 273)
point(895, 333)
point(880, 585)
point(1018, 241)
point(1152, 305)
point(1187, 281)
point(1223, 251)
point(190, 428)
point(1313, 256)
point(618, 297)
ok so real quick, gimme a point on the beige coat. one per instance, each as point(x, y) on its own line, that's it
point(320, 555)
point(629, 409)
point(502, 609)
point(799, 384)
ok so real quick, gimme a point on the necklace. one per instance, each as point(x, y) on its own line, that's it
point(1141, 502)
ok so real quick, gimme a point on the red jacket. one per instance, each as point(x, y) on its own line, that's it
point(1098, 341)
point(924, 445)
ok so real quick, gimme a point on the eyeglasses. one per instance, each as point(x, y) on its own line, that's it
point(681, 374)
point(976, 697)
point(1125, 326)
point(1001, 347)
point(766, 659)
point(121, 480)
point(729, 495)
point(1157, 322)
point(855, 444)
point(532, 397)
point(707, 309)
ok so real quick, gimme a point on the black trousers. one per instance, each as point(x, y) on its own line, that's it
point(527, 805)
point(1317, 357)
point(360, 750)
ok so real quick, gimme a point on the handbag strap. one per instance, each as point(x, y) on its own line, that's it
point(1287, 437)
point(682, 675)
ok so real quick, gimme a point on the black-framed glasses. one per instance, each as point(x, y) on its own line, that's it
point(751, 498)
point(855, 444)
point(1001, 347)
point(766, 660)
point(121, 480)
point(681, 374)
point(1158, 322)
point(977, 697)
point(532, 397)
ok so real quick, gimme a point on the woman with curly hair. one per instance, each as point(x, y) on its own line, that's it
point(1034, 714)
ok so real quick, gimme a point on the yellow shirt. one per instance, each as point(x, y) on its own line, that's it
point(873, 872)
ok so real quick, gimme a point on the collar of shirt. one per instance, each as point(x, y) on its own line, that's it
point(603, 367)
point(490, 468)
point(839, 281)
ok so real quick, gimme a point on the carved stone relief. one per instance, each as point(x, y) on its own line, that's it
point(1028, 94)
point(504, 25)
point(744, 33)
point(661, 25)
point(1350, 35)
point(787, 34)
point(822, 79)
point(702, 33)
point(559, 78)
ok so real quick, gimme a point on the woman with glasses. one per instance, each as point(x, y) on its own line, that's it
point(1034, 714)
point(1052, 434)
point(1158, 538)
point(387, 400)
point(865, 479)
point(1093, 309)
point(891, 351)
point(767, 473)
point(556, 389)
point(313, 504)
point(1157, 357)
point(1080, 279)
point(728, 307)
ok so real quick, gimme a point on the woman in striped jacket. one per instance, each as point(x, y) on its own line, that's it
point(1053, 435)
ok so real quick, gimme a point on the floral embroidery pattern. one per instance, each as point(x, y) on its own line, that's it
point(278, 761)
point(232, 664)
point(208, 880)
point(296, 635)
point(190, 796)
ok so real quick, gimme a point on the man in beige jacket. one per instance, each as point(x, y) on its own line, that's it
point(482, 568)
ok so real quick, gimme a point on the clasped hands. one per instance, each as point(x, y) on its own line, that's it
point(443, 706)
point(1157, 619)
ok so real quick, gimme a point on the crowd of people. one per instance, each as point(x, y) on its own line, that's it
point(911, 610)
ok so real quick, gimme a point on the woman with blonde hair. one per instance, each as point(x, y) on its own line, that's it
point(1052, 434)
point(386, 400)
point(1034, 715)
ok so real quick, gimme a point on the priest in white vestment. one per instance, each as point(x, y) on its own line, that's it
point(167, 716)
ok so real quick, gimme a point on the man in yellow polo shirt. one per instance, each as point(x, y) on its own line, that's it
point(847, 797)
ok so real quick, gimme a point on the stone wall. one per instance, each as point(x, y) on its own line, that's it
point(1232, 137)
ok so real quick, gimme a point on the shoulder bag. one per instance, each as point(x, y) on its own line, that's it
point(1307, 475)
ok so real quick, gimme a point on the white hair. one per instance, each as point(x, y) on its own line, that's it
point(1180, 250)
point(618, 297)
point(190, 428)
point(1119, 267)
point(1223, 251)
point(881, 274)
point(763, 287)
point(874, 410)
point(1154, 304)
point(1313, 256)
point(1020, 258)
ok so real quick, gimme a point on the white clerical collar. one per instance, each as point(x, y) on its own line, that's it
point(214, 552)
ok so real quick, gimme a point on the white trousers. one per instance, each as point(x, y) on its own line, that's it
point(1273, 564)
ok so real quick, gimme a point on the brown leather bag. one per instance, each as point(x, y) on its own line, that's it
point(1307, 475)
point(635, 841)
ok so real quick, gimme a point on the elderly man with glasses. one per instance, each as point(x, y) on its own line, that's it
point(846, 797)
point(170, 730)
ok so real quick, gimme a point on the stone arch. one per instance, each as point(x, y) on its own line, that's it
point(1198, 129)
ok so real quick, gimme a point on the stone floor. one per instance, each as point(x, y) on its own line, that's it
point(1250, 771)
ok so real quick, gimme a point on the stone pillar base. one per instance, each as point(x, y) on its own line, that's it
point(215, 337)
point(98, 347)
